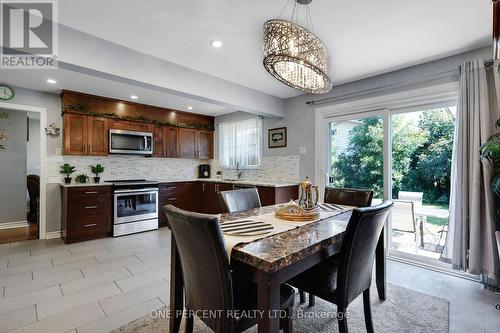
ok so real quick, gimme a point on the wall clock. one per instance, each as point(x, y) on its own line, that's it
point(6, 93)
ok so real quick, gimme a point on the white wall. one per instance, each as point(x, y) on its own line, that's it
point(33, 147)
point(13, 205)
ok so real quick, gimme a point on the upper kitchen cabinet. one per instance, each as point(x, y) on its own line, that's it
point(158, 141)
point(170, 141)
point(75, 134)
point(205, 144)
point(85, 135)
point(88, 118)
point(195, 143)
point(187, 143)
point(98, 136)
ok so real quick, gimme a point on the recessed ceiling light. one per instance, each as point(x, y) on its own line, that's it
point(51, 81)
point(216, 43)
point(190, 107)
point(134, 97)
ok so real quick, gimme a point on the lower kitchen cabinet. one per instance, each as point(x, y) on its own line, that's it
point(277, 195)
point(85, 213)
point(183, 195)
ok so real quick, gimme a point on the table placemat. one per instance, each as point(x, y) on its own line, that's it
point(270, 219)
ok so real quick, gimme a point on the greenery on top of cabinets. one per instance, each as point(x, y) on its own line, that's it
point(84, 108)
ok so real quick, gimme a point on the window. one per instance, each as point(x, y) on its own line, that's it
point(240, 143)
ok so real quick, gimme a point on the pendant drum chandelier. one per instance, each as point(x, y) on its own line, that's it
point(295, 56)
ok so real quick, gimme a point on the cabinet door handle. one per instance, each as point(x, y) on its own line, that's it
point(203, 187)
point(90, 207)
point(91, 192)
point(172, 199)
point(90, 225)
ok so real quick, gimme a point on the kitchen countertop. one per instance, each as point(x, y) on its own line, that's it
point(235, 182)
point(85, 185)
point(213, 180)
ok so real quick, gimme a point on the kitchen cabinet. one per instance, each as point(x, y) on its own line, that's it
point(187, 143)
point(209, 197)
point(204, 142)
point(129, 125)
point(86, 213)
point(85, 135)
point(158, 141)
point(277, 195)
point(183, 195)
point(170, 141)
point(89, 135)
point(98, 136)
point(195, 143)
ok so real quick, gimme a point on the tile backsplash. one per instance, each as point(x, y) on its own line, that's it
point(273, 169)
point(276, 168)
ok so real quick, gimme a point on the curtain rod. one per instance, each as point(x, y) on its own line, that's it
point(399, 84)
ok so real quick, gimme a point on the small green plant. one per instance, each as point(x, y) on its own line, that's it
point(67, 169)
point(82, 178)
point(97, 169)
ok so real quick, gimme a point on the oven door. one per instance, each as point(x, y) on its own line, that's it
point(135, 205)
point(129, 142)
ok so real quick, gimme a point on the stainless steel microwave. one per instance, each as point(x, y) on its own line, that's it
point(130, 142)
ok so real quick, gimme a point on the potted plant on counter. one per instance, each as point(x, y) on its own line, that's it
point(67, 170)
point(82, 178)
point(96, 170)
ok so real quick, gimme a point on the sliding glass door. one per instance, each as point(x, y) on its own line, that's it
point(422, 146)
point(404, 155)
point(356, 154)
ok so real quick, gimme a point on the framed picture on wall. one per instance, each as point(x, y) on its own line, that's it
point(277, 137)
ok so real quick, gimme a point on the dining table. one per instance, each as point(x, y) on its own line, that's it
point(273, 260)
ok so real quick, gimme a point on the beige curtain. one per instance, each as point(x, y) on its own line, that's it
point(472, 228)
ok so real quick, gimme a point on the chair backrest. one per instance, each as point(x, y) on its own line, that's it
point(358, 251)
point(204, 260)
point(403, 216)
point(33, 185)
point(416, 197)
point(348, 197)
point(238, 200)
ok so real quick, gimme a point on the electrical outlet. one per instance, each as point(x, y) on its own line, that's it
point(302, 150)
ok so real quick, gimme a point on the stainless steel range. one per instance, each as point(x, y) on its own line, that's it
point(135, 206)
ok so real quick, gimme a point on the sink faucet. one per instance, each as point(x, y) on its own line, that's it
point(238, 171)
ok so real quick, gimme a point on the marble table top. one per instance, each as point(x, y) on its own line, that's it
point(275, 252)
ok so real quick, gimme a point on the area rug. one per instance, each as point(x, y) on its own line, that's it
point(404, 310)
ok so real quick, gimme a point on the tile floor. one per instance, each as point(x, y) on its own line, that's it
point(101, 285)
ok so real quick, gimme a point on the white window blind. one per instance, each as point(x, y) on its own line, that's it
point(240, 143)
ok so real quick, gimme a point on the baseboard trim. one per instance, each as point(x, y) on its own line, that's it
point(10, 225)
point(53, 234)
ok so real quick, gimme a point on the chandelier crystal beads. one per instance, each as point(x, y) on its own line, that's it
point(296, 57)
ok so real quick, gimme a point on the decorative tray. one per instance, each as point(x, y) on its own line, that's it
point(294, 212)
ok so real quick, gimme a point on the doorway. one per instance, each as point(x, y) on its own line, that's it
point(22, 189)
point(405, 155)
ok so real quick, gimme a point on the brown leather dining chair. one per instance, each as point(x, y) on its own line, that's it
point(343, 277)
point(209, 282)
point(347, 197)
point(238, 200)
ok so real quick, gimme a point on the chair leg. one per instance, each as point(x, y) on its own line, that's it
point(288, 321)
point(189, 324)
point(312, 300)
point(302, 296)
point(342, 320)
point(368, 311)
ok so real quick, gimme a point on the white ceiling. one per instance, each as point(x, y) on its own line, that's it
point(70, 80)
point(365, 38)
